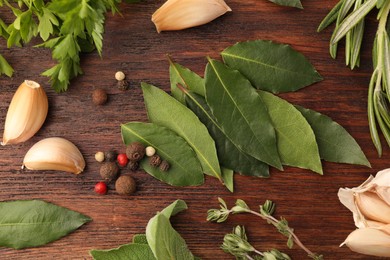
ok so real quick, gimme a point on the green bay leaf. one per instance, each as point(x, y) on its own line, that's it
point(296, 141)
point(232, 100)
point(292, 3)
point(334, 142)
point(230, 155)
point(166, 111)
point(271, 66)
point(31, 223)
point(128, 252)
point(185, 168)
point(228, 178)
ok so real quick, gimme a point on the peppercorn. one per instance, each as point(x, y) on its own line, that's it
point(122, 159)
point(125, 185)
point(110, 156)
point(150, 151)
point(135, 151)
point(164, 166)
point(119, 75)
point(133, 166)
point(122, 84)
point(99, 97)
point(155, 160)
point(101, 188)
point(109, 171)
point(99, 156)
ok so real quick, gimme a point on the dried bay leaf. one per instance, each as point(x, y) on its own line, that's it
point(296, 141)
point(166, 111)
point(292, 3)
point(230, 155)
point(271, 66)
point(31, 223)
point(240, 112)
point(185, 169)
point(132, 251)
point(334, 142)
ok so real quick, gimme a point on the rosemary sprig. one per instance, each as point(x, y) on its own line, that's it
point(350, 24)
point(266, 211)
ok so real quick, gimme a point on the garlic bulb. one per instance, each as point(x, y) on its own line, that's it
point(182, 14)
point(54, 153)
point(26, 113)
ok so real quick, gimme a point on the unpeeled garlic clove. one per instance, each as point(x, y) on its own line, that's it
point(369, 241)
point(26, 113)
point(181, 14)
point(373, 207)
point(54, 153)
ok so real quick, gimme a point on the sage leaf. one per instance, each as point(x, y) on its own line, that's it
point(174, 208)
point(31, 223)
point(232, 100)
point(129, 252)
point(296, 141)
point(271, 66)
point(227, 176)
point(292, 3)
point(166, 111)
point(140, 239)
point(335, 144)
point(230, 155)
point(185, 168)
point(190, 80)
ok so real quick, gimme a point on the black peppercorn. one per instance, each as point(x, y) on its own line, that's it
point(155, 160)
point(122, 84)
point(164, 166)
point(109, 171)
point(135, 151)
point(110, 156)
point(133, 166)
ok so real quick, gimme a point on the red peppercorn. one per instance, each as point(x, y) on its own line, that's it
point(101, 188)
point(122, 159)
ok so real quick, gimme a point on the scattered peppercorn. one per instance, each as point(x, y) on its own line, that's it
point(99, 156)
point(122, 84)
point(125, 185)
point(119, 75)
point(109, 171)
point(99, 97)
point(135, 151)
point(164, 166)
point(122, 159)
point(133, 166)
point(155, 160)
point(101, 188)
point(150, 151)
point(110, 156)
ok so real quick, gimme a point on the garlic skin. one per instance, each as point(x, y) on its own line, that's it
point(54, 153)
point(26, 113)
point(181, 14)
point(370, 206)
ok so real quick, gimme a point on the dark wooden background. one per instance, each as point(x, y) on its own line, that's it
point(131, 43)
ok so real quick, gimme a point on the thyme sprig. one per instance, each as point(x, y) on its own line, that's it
point(266, 212)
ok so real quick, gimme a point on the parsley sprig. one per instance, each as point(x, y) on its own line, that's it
point(239, 246)
point(67, 27)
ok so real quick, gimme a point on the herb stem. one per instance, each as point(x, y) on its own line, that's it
point(249, 257)
point(258, 252)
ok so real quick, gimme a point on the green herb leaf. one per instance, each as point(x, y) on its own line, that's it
point(252, 130)
point(32, 223)
point(5, 68)
point(296, 141)
point(271, 66)
point(228, 181)
point(230, 155)
point(166, 111)
point(185, 168)
point(292, 3)
point(175, 207)
point(46, 22)
point(335, 144)
point(331, 17)
point(185, 77)
point(128, 252)
point(140, 239)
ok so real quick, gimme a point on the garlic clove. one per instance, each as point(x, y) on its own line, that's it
point(181, 14)
point(26, 113)
point(54, 153)
point(369, 241)
point(373, 207)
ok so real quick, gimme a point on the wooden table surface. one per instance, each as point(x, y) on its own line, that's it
point(309, 201)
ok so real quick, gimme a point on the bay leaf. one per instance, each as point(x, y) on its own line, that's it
point(190, 80)
point(297, 144)
point(230, 155)
point(228, 181)
point(132, 251)
point(334, 142)
point(240, 112)
point(185, 168)
point(31, 223)
point(292, 3)
point(271, 66)
point(166, 111)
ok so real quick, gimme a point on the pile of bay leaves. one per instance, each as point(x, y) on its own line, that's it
point(231, 121)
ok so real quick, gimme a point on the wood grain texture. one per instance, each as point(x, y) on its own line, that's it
point(309, 201)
